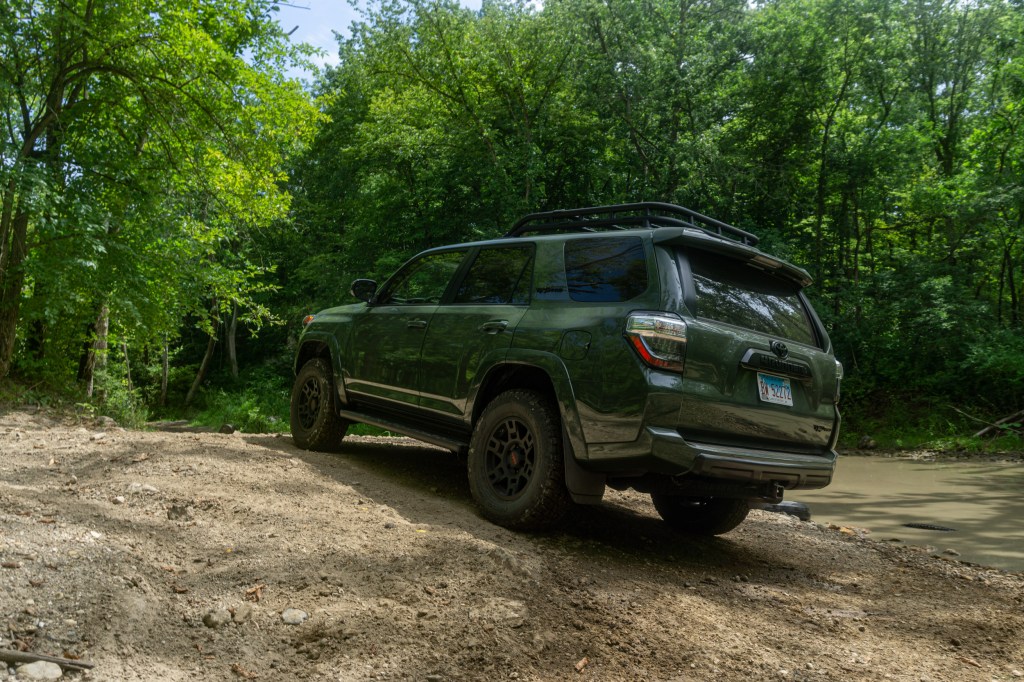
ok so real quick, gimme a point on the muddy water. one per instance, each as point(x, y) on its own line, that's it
point(983, 502)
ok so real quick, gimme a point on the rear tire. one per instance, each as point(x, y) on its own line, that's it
point(701, 515)
point(314, 416)
point(516, 471)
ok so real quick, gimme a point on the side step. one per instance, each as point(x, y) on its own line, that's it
point(453, 443)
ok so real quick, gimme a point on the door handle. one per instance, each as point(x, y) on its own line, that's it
point(416, 324)
point(494, 326)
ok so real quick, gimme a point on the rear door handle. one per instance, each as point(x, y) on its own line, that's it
point(494, 326)
point(416, 324)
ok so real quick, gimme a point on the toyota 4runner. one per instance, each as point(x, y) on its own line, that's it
point(640, 346)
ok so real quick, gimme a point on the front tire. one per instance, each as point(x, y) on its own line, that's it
point(701, 515)
point(314, 416)
point(516, 471)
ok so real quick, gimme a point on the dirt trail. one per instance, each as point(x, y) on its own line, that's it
point(178, 556)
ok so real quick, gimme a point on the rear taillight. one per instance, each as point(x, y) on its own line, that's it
point(307, 319)
point(659, 338)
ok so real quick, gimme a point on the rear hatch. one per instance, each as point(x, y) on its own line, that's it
point(759, 371)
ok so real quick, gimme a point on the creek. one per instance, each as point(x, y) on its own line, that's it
point(981, 501)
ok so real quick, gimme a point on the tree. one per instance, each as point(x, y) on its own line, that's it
point(141, 141)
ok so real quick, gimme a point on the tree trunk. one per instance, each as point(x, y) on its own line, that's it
point(12, 277)
point(98, 354)
point(205, 365)
point(127, 365)
point(163, 377)
point(232, 327)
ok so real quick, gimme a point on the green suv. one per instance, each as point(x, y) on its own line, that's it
point(640, 346)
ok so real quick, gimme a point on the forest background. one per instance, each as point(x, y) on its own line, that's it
point(173, 204)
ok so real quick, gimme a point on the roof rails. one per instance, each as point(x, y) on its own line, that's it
point(624, 216)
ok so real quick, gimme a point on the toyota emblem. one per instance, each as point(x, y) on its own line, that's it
point(779, 349)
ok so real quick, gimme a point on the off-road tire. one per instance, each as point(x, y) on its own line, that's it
point(516, 471)
point(314, 416)
point(700, 515)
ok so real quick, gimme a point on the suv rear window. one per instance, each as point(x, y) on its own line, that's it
point(735, 293)
point(605, 270)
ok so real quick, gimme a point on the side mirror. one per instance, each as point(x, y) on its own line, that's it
point(364, 289)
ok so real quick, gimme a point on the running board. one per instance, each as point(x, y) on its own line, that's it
point(448, 442)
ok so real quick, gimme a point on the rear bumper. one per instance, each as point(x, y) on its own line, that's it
point(745, 465)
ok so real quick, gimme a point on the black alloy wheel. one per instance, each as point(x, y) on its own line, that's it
point(516, 471)
point(314, 419)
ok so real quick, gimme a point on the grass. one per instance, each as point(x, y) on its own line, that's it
point(918, 427)
point(259, 403)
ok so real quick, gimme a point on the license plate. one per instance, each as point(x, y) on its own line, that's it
point(772, 389)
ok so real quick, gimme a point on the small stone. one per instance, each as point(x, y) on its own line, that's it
point(1016, 673)
point(294, 617)
point(118, 500)
point(40, 670)
point(105, 422)
point(867, 443)
point(951, 552)
point(217, 618)
point(227, 428)
point(96, 437)
point(179, 512)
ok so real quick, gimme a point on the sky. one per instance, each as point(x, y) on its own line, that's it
point(316, 21)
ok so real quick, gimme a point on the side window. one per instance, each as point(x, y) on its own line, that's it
point(609, 269)
point(498, 275)
point(423, 281)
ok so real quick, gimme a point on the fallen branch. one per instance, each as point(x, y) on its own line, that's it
point(1001, 425)
point(11, 656)
point(991, 427)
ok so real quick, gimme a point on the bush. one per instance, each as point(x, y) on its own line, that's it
point(259, 405)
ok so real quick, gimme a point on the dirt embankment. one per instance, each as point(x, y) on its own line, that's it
point(176, 556)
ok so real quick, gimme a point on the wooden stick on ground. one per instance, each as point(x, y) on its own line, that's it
point(11, 656)
point(992, 428)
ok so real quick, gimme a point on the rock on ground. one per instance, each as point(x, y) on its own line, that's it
point(40, 671)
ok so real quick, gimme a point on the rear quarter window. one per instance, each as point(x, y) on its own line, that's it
point(730, 291)
point(606, 269)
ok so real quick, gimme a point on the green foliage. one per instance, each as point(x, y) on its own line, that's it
point(258, 403)
point(880, 144)
point(118, 399)
point(877, 143)
point(994, 367)
point(143, 146)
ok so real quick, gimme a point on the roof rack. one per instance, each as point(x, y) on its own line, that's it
point(624, 216)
